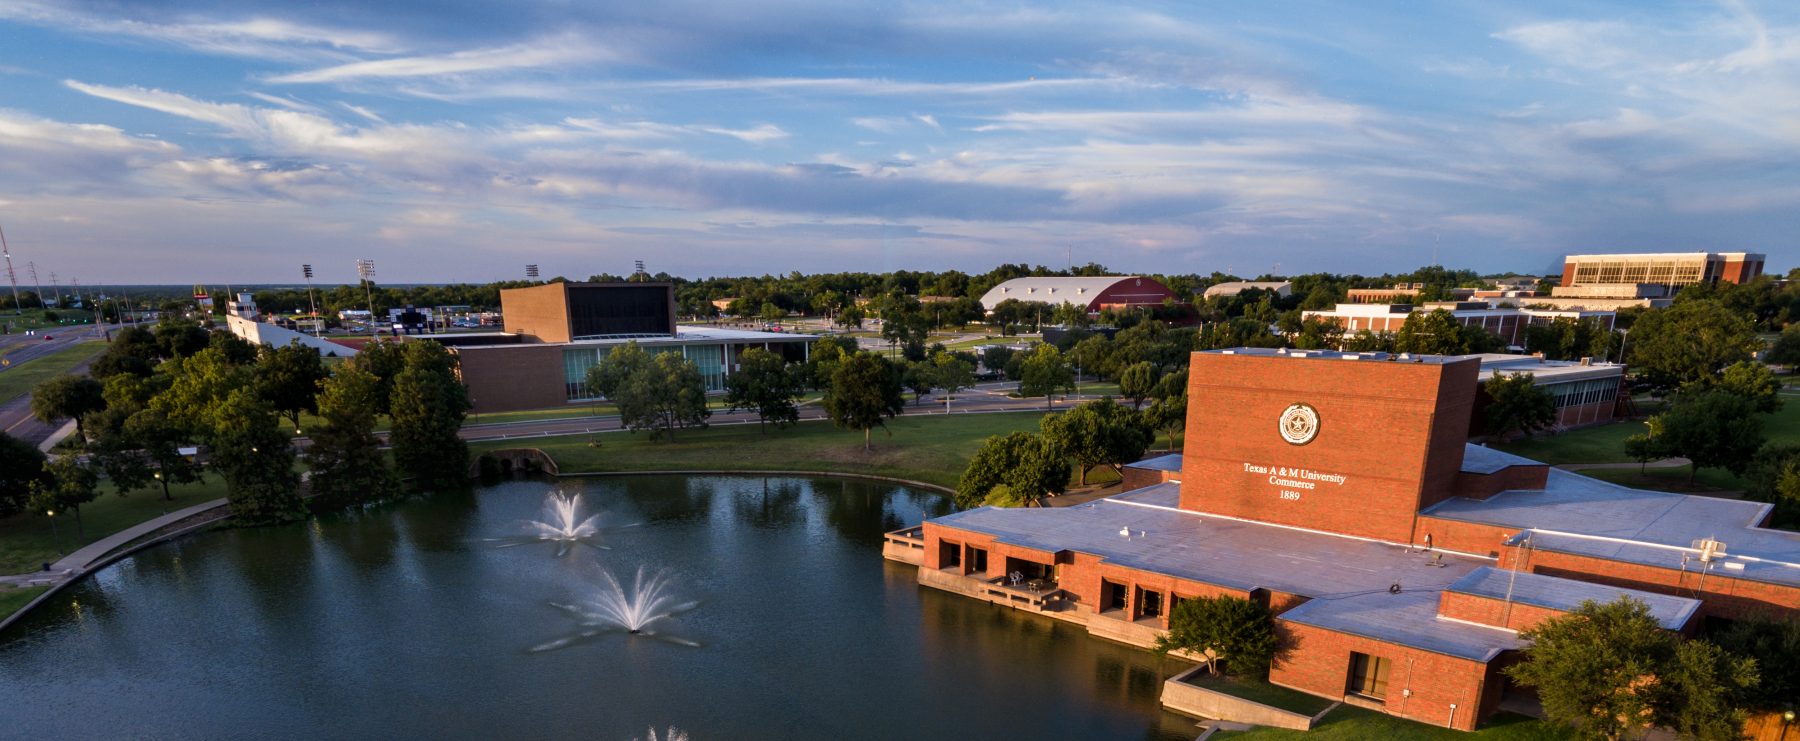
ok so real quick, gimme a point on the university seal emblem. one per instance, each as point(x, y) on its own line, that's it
point(1299, 423)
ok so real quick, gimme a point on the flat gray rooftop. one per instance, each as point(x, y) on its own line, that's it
point(1585, 516)
point(1557, 593)
point(1211, 549)
point(1338, 355)
point(1409, 618)
point(1482, 459)
point(1170, 462)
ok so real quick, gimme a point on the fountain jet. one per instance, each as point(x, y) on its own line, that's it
point(563, 525)
point(644, 610)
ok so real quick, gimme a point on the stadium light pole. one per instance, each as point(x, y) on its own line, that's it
point(306, 269)
point(365, 269)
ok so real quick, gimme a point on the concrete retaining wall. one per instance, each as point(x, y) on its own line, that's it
point(1194, 700)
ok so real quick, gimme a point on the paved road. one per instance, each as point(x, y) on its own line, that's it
point(15, 413)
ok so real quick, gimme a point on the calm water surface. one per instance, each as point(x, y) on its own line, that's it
point(400, 622)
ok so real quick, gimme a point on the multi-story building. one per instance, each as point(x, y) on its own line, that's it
point(555, 332)
point(1506, 323)
point(1339, 490)
point(1670, 271)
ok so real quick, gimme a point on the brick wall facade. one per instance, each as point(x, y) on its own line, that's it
point(513, 377)
point(541, 312)
point(1720, 595)
point(1138, 478)
point(1318, 661)
point(1394, 429)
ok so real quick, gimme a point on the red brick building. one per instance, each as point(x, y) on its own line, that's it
point(1339, 489)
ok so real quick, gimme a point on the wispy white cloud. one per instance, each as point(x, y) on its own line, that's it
point(361, 111)
point(555, 51)
point(252, 37)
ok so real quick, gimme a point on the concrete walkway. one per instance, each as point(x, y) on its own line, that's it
point(1664, 463)
point(77, 563)
point(58, 436)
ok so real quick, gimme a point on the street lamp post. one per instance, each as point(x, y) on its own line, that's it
point(1787, 719)
point(55, 535)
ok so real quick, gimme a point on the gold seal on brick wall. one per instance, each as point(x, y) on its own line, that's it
point(1299, 424)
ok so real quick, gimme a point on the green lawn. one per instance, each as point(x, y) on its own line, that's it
point(27, 541)
point(932, 449)
point(1258, 690)
point(34, 319)
point(23, 377)
point(1606, 444)
point(13, 599)
point(1599, 444)
point(1349, 723)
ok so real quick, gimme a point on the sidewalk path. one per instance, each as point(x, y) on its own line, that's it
point(77, 563)
point(1664, 463)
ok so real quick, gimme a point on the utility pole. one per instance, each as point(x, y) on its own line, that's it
point(18, 308)
point(365, 269)
point(310, 303)
point(32, 266)
point(56, 289)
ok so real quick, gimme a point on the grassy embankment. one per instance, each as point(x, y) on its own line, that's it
point(1606, 444)
point(27, 540)
point(13, 599)
point(1348, 723)
point(23, 377)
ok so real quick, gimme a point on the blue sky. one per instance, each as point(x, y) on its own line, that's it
point(214, 141)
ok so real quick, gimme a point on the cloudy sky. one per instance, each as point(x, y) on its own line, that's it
point(214, 141)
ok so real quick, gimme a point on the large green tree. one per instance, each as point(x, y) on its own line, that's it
point(1044, 373)
point(1097, 433)
point(1437, 332)
point(665, 395)
point(865, 391)
point(133, 350)
point(68, 397)
point(384, 359)
point(345, 458)
point(428, 405)
point(953, 374)
point(1234, 632)
point(1597, 667)
point(145, 450)
point(1713, 429)
point(179, 338)
point(768, 385)
point(288, 378)
point(1028, 465)
point(255, 456)
point(1753, 381)
point(1690, 342)
point(69, 482)
point(21, 468)
point(1517, 404)
point(197, 384)
point(606, 377)
point(1137, 382)
point(1169, 415)
point(1612, 670)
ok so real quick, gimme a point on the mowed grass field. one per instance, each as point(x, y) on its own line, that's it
point(27, 539)
point(1606, 444)
point(23, 377)
point(933, 449)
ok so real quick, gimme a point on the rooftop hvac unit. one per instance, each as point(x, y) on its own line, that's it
point(1709, 549)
